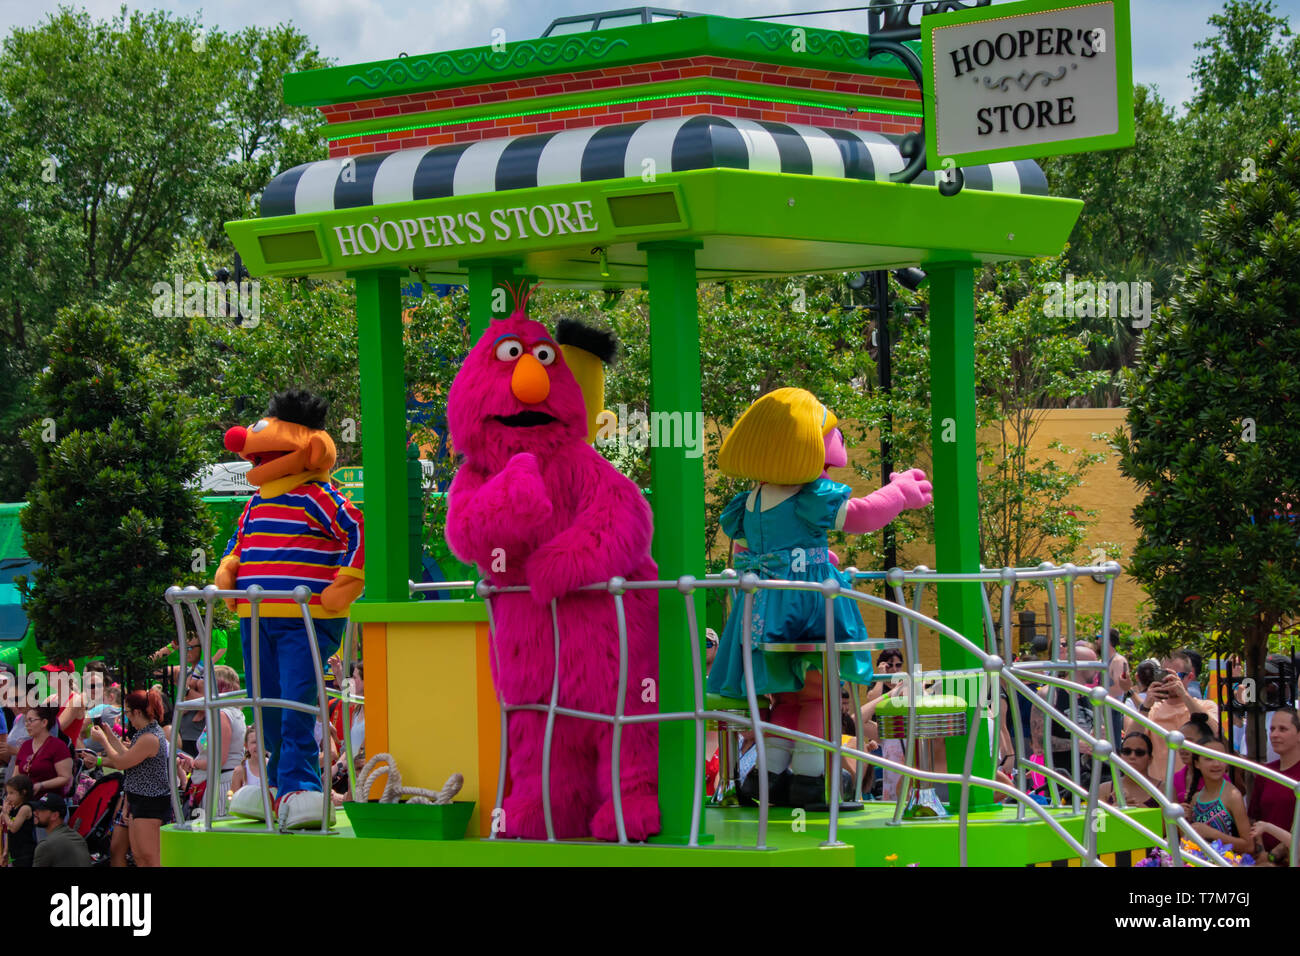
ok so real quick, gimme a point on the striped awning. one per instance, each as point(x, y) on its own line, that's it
point(674, 144)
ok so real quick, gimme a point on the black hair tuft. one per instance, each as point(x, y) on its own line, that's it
point(299, 407)
point(598, 342)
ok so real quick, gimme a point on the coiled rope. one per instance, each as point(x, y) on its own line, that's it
point(384, 765)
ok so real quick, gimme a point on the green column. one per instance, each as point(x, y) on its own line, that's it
point(956, 497)
point(383, 433)
point(484, 276)
point(677, 495)
point(414, 512)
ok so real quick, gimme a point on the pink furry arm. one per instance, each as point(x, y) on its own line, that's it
point(502, 512)
point(612, 531)
point(906, 490)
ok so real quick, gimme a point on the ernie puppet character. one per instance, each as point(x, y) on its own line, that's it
point(535, 504)
point(785, 442)
point(296, 530)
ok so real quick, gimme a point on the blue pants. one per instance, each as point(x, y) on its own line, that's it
point(288, 673)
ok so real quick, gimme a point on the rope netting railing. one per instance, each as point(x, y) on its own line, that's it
point(994, 671)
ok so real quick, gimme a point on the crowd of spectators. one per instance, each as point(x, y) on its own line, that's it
point(86, 731)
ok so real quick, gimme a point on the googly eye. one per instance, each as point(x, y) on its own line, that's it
point(260, 425)
point(544, 353)
point(510, 350)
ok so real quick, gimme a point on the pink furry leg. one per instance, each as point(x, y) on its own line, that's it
point(639, 774)
point(525, 816)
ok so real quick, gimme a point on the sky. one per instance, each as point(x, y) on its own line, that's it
point(356, 31)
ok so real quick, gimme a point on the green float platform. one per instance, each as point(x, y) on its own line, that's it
point(995, 839)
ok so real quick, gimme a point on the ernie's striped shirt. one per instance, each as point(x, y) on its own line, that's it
point(304, 536)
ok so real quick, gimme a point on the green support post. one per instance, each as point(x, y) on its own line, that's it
point(415, 511)
point(956, 492)
point(383, 433)
point(484, 276)
point(677, 494)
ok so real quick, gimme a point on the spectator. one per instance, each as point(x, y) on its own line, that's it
point(1194, 662)
point(250, 769)
point(1080, 713)
point(231, 736)
point(1136, 750)
point(148, 793)
point(1143, 676)
point(193, 657)
point(71, 704)
point(62, 846)
point(8, 694)
point(887, 662)
point(1169, 706)
point(1198, 730)
point(190, 722)
point(44, 757)
point(1271, 803)
point(1216, 809)
point(19, 828)
point(1119, 683)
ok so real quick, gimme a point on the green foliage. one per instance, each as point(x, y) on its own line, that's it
point(1214, 420)
point(108, 519)
point(119, 138)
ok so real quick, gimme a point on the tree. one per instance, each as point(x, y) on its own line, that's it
point(1214, 423)
point(109, 519)
point(119, 139)
point(1028, 359)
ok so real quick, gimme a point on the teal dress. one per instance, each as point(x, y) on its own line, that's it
point(786, 617)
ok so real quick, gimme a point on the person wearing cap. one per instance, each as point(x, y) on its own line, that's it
point(62, 845)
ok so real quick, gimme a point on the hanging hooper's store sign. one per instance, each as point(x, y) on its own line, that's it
point(1024, 80)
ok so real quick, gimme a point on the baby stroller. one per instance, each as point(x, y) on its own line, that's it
point(93, 817)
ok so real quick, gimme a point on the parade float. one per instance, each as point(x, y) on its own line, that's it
point(677, 150)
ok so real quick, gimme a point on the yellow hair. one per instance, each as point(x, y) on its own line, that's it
point(589, 371)
point(780, 439)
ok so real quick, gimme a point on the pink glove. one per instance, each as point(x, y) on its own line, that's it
point(905, 491)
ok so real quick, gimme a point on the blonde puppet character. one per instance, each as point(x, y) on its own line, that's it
point(785, 442)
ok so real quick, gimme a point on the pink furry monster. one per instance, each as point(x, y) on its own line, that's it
point(534, 504)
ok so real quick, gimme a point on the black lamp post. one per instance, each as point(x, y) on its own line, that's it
point(910, 278)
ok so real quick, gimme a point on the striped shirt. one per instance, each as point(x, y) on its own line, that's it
point(305, 536)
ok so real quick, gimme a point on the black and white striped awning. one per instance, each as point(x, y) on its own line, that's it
point(674, 144)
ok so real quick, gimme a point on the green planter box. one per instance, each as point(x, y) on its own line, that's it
point(410, 821)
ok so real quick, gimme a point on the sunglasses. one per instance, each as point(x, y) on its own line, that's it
point(1130, 752)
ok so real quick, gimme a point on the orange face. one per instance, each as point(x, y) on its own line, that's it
point(279, 449)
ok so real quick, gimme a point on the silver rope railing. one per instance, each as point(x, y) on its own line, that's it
point(212, 704)
point(991, 666)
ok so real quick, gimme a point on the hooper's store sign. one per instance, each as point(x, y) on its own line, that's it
point(1025, 80)
point(504, 223)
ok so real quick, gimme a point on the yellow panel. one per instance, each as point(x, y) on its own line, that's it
point(432, 706)
point(489, 728)
point(374, 642)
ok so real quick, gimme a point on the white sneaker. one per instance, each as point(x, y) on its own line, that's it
point(247, 802)
point(301, 810)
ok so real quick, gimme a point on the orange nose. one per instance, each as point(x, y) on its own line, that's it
point(530, 383)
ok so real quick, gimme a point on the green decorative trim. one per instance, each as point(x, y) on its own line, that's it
point(472, 115)
point(405, 612)
point(543, 52)
point(648, 43)
point(816, 42)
